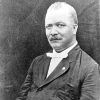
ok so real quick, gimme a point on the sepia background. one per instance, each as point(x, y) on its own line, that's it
point(22, 37)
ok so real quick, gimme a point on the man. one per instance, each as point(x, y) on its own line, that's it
point(66, 72)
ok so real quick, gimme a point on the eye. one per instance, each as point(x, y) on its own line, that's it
point(60, 25)
point(49, 26)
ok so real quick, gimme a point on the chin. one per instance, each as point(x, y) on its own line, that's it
point(56, 47)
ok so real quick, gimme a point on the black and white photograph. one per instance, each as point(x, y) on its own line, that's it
point(49, 49)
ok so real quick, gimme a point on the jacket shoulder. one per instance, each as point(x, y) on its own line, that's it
point(88, 64)
point(38, 58)
point(88, 59)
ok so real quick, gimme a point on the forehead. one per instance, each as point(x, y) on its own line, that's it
point(58, 15)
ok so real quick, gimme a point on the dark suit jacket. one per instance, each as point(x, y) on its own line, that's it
point(80, 80)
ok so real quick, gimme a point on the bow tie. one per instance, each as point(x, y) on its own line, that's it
point(57, 55)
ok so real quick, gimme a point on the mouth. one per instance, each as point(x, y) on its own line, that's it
point(55, 39)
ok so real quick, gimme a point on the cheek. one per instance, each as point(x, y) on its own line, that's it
point(47, 33)
point(64, 32)
point(67, 36)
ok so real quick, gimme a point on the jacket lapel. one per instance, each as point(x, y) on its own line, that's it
point(62, 67)
point(44, 68)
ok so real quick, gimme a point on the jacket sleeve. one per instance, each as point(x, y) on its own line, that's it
point(90, 89)
point(26, 86)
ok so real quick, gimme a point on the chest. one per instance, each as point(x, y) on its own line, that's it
point(71, 78)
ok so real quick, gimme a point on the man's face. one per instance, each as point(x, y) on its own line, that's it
point(60, 29)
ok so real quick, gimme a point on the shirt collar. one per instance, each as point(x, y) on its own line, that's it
point(62, 54)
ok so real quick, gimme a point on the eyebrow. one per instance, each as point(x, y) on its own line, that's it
point(60, 22)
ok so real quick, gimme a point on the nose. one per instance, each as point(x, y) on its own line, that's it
point(53, 31)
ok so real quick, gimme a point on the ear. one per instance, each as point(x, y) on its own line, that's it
point(75, 27)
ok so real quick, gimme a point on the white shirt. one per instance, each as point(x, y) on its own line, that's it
point(57, 57)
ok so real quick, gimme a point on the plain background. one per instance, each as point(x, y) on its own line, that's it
point(22, 37)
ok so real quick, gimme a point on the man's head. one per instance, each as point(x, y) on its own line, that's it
point(61, 25)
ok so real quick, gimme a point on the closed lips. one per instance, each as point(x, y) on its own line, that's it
point(54, 38)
